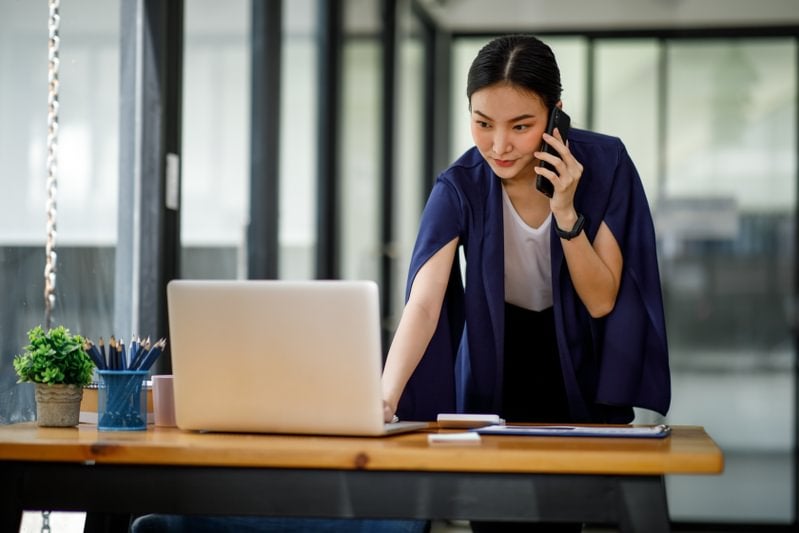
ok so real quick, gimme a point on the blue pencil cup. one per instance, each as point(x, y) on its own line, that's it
point(122, 400)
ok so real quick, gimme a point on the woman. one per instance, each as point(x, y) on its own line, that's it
point(560, 318)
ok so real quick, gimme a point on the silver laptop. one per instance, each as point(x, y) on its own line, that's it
point(274, 356)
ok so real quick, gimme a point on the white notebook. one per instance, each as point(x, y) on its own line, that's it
point(273, 356)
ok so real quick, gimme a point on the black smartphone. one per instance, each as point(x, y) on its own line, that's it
point(560, 120)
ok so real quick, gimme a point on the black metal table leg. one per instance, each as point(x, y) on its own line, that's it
point(645, 509)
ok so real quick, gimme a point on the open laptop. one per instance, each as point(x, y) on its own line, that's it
point(273, 356)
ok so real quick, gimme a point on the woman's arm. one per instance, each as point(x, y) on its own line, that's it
point(595, 269)
point(417, 325)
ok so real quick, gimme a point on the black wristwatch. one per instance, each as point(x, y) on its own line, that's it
point(572, 233)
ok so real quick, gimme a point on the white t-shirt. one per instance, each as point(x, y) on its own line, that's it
point(528, 270)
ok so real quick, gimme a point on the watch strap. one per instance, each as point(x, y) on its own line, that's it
point(572, 233)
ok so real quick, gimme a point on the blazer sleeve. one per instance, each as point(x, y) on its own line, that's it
point(431, 388)
point(634, 368)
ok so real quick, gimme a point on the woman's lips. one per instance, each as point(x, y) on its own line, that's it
point(504, 163)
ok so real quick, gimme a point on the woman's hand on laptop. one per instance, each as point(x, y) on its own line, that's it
point(388, 413)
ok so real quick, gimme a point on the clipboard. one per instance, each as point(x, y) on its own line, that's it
point(647, 432)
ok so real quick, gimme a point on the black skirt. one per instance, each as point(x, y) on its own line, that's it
point(533, 388)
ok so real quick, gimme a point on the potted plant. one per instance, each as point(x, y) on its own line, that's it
point(59, 367)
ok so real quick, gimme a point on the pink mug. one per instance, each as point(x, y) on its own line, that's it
point(163, 400)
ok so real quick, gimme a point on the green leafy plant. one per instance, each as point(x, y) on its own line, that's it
point(54, 357)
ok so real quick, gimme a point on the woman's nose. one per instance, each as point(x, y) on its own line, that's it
point(501, 143)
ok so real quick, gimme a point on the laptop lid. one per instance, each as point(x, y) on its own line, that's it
point(276, 356)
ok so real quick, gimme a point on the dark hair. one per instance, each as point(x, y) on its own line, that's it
point(520, 60)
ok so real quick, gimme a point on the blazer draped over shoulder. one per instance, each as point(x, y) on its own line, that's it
point(609, 364)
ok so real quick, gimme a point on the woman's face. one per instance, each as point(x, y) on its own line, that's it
point(507, 125)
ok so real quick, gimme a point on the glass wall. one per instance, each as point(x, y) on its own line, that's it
point(87, 177)
point(362, 147)
point(626, 92)
point(408, 169)
point(723, 194)
point(216, 139)
point(298, 125)
point(361, 141)
point(711, 125)
point(726, 221)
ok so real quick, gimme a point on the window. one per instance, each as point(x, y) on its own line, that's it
point(87, 178)
point(216, 139)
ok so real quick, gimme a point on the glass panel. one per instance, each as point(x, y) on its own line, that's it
point(408, 149)
point(298, 126)
point(726, 223)
point(464, 51)
point(361, 147)
point(216, 131)
point(216, 139)
point(572, 56)
point(87, 177)
point(626, 105)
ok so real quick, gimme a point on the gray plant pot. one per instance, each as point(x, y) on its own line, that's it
point(58, 405)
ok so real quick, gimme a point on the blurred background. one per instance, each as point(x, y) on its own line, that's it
point(306, 135)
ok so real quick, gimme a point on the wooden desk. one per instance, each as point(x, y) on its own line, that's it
point(598, 480)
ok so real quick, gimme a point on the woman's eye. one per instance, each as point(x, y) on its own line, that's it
point(482, 124)
point(521, 127)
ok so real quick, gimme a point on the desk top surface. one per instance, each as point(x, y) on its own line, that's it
point(689, 450)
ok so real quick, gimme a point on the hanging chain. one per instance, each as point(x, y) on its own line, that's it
point(52, 161)
point(45, 521)
point(52, 168)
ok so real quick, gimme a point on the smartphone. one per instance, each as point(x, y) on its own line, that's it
point(560, 120)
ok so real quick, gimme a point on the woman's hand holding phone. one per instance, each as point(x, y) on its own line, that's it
point(560, 121)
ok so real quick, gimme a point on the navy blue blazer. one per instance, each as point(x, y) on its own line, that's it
point(609, 364)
